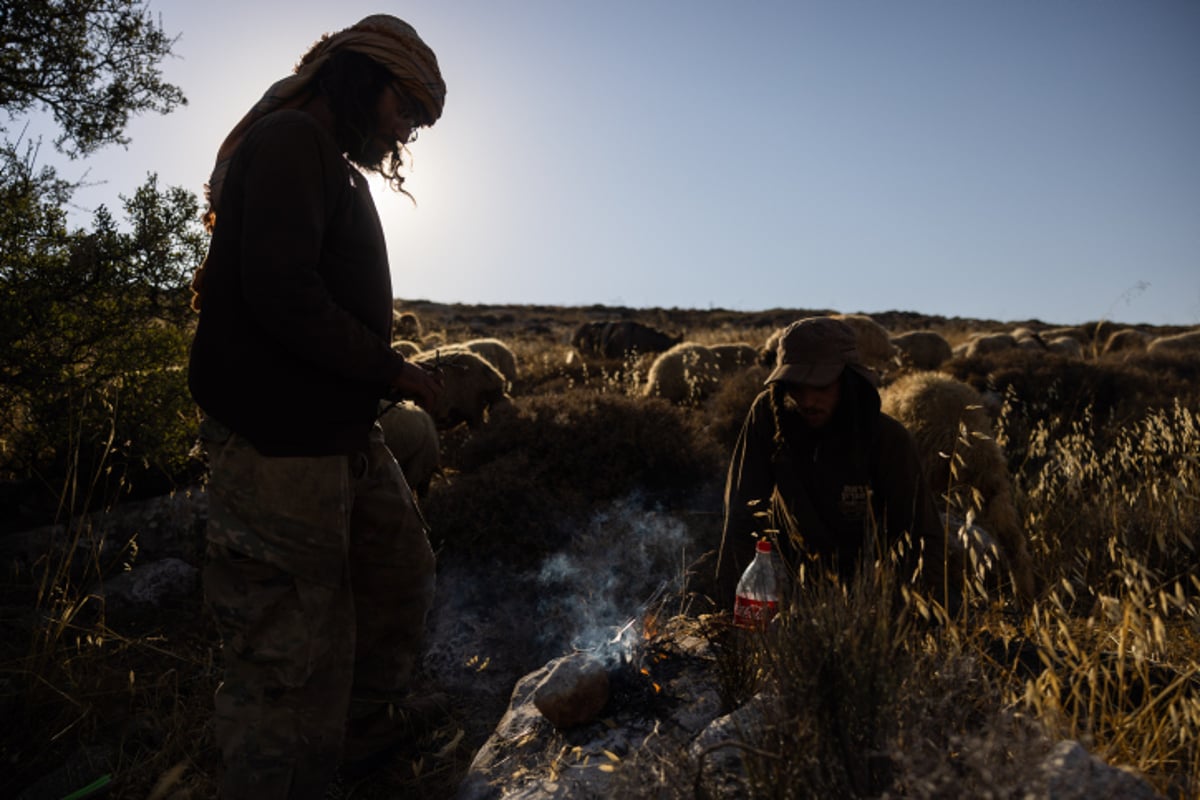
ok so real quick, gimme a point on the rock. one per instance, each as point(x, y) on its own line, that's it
point(158, 583)
point(716, 751)
point(1072, 773)
point(574, 691)
point(161, 527)
point(528, 758)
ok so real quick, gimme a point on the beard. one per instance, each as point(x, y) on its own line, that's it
point(371, 154)
point(814, 417)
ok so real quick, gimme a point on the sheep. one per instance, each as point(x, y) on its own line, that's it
point(586, 338)
point(411, 435)
point(1033, 343)
point(472, 387)
point(406, 325)
point(933, 406)
point(1065, 345)
point(1126, 340)
point(987, 343)
point(497, 353)
point(1070, 331)
point(733, 355)
point(686, 372)
point(922, 349)
point(1028, 339)
point(617, 339)
point(1186, 342)
point(690, 371)
point(406, 347)
point(874, 343)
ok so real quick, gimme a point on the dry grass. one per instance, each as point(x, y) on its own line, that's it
point(967, 704)
point(1106, 462)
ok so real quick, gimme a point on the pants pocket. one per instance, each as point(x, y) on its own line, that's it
point(276, 627)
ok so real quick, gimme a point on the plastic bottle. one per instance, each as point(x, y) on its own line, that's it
point(757, 599)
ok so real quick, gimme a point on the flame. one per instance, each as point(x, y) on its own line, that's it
point(649, 625)
point(655, 684)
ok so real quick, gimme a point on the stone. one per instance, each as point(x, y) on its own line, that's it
point(573, 692)
point(1072, 773)
point(158, 583)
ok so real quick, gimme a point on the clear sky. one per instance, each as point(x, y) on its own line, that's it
point(1002, 159)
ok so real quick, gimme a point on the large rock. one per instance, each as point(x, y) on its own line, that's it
point(528, 758)
point(171, 526)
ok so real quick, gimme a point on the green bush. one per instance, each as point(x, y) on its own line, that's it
point(94, 331)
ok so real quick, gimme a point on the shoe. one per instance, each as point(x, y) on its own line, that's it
point(372, 739)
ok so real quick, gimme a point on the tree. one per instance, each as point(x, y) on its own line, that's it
point(92, 64)
point(94, 323)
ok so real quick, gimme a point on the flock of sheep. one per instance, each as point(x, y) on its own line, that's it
point(944, 414)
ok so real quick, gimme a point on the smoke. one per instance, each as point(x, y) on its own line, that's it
point(593, 593)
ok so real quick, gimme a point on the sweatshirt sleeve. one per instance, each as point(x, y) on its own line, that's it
point(748, 489)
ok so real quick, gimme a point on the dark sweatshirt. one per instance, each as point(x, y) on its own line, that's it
point(292, 347)
point(830, 493)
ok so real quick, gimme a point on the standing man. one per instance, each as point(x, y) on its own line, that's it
point(319, 569)
point(838, 479)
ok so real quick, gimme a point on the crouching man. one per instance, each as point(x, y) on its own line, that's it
point(319, 572)
point(840, 480)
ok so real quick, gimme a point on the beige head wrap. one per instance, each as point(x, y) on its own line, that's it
point(388, 40)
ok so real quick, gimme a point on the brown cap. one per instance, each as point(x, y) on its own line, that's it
point(814, 351)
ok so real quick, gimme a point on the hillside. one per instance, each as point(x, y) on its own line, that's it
point(583, 473)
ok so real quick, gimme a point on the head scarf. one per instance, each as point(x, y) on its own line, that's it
point(386, 39)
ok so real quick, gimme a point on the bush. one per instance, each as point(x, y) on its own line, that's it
point(94, 331)
point(1050, 390)
point(520, 483)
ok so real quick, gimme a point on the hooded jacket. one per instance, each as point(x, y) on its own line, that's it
point(838, 494)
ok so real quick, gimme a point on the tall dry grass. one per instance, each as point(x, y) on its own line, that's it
point(1117, 531)
point(868, 698)
point(948, 705)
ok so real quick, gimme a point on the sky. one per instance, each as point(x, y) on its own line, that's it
point(991, 159)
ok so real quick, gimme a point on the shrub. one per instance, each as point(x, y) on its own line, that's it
point(519, 483)
point(1053, 392)
point(94, 328)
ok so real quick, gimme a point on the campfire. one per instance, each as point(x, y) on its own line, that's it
point(648, 687)
point(631, 674)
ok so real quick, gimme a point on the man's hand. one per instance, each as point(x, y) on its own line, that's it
point(419, 384)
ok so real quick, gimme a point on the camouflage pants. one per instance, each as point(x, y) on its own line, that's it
point(320, 576)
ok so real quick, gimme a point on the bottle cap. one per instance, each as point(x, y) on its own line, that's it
point(763, 546)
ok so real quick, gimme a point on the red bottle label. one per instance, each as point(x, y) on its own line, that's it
point(750, 613)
